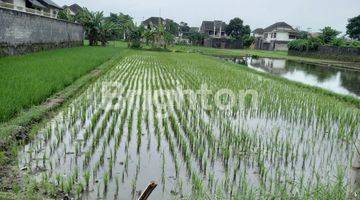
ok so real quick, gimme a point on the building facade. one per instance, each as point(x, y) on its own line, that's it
point(73, 9)
point(214, 29)
point(40, 7)
point(275, 37)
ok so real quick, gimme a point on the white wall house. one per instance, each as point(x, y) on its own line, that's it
point(41, 7)
point(275, 37)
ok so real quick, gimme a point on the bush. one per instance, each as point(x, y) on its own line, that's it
point(354, 44)
point(314, 43)
point(298, 45)
point(338, 42)
point(135, 35)
point(311, 44)
point(248, 40)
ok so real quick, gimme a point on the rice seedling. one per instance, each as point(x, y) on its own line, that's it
point(292, 145)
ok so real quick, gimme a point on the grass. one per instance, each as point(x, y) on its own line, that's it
point(29, 80)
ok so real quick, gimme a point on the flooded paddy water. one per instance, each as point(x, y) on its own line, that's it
point(341, 81)
point(109, 143)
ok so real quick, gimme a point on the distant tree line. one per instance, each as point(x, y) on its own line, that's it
point(100, 29)
point(330, 37)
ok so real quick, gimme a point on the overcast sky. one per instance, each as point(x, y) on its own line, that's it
point(314, 14)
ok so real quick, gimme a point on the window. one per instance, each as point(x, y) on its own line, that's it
point(274, 35)
point(292, 36)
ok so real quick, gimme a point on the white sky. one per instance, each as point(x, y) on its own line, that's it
point(314, 14)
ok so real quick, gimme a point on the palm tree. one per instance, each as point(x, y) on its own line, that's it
point(97, 28)
point(106, 30)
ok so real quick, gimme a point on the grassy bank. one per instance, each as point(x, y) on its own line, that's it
point(268, 54)
point(28, 80)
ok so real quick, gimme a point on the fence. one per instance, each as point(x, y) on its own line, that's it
point(331, 52)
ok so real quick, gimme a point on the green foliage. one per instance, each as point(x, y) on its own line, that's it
point(196, 38)
point(353, 28)
point(354, 44)
point(105, 31)
point(236, 29)
point(134, 37)
point(248, 40)
point(328, 34)
point(303, 35)
point(97, 28)
point(311, 44)
point(338, 42)
point(66, 15)
point(124, 24)
point(3, 158)
point(161, 35)
point(184, 28)
point(172, 27)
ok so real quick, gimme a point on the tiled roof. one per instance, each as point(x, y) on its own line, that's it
point(209, 25)
point(258, 31)
point(278, 25)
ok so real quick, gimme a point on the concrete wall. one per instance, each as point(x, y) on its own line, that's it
point(22, 32)
point(331, 52)
point(262, 44)
point(281, 46)
point(223, 43)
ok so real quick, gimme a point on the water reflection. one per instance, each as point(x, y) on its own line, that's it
point(342, 81)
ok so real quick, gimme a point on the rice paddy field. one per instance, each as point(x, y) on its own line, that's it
point(28, 80)
point(278, 141)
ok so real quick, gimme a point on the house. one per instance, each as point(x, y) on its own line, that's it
point(50, 7)
point(154, 21)
point(275, 37)
point(258, 32)
point(214, 29)
point(74, 9)
point(40, 7)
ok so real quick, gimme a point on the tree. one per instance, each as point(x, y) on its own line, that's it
point(65, 14)
point(184, 28)
point(106, 30)
point(196, 38)
point(168, 39)
point(96, 27)
point(135, 35)
point(123, 22)
point(353, 28)
point(328, 34)
point(172, 27)
point(303, 35)
point(236, 29)
point(248, 40)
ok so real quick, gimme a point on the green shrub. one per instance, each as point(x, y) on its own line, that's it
point(311, 44)
point(298, 45)
point(248, 40)
point(338, 42)
point(314, 43)
point(354, 44)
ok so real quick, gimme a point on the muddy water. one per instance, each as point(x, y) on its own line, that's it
point(342, 81)
point(123, 141)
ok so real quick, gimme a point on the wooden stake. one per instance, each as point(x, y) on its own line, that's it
point(145, 195)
